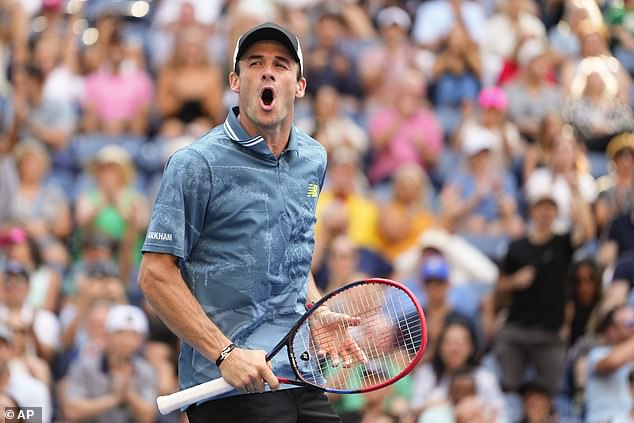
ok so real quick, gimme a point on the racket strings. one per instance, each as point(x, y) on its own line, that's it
point(348, 355)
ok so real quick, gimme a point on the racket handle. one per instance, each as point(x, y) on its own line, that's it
point(177, 400)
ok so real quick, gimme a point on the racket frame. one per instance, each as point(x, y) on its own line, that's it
point(287, 341)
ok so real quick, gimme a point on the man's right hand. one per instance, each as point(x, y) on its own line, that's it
point(248, 371)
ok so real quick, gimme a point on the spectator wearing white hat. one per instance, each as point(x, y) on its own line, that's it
point(119, 385)
point(477, 200)
point(381, 67)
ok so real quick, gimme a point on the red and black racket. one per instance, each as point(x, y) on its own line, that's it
point(383, 342)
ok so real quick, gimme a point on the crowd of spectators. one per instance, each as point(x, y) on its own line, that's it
point(481, 151)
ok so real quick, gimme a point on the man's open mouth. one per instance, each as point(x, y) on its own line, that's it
point(267, 96)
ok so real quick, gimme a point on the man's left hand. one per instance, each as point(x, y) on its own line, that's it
point(330, 332)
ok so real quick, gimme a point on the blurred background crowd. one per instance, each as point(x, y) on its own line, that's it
point(481, 151)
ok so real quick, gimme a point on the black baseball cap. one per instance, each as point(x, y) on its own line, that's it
point(269, 31)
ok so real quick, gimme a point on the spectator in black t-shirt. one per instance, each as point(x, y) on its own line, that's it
point(533, 278)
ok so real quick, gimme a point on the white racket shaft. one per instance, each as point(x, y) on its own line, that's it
point(177, 400)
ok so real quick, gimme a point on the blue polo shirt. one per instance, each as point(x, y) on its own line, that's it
point(241, 222)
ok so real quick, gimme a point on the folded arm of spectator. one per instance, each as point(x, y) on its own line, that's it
point(84, 409)
point(619, 355)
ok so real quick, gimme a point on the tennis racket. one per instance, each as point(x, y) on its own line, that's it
point(383, 342)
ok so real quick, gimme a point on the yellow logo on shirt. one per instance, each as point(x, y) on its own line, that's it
point(313, 190)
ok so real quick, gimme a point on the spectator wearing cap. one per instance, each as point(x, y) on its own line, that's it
point(533, 285)
point(118, 385)
point(537, 403)
point(382, 65)
point(617, 188)
point(566, 176)
point(534, 97)
point(490, 116)
point(607, 393)
point(407, 131)
point(478, 200)
point(20, 385)
point(434, 275)
point(114, 206)
point(117, 97)
point(45, 324)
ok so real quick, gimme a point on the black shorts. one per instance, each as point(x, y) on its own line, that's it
point(297, 405)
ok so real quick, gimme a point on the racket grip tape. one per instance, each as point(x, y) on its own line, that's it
point(168, 403)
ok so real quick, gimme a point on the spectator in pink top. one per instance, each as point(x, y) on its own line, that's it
point(117, 97)
point(405, 132)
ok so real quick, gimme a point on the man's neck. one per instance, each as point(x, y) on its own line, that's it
point(538, 235)
point(276, 137)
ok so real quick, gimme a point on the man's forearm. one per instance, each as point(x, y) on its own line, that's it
point(174, 303)
point(312, 294)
